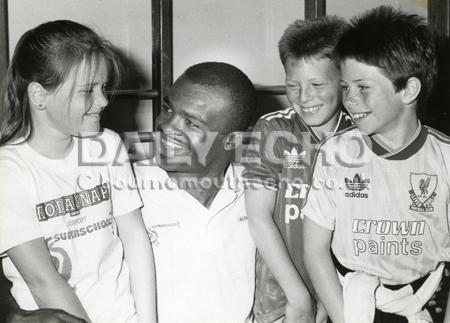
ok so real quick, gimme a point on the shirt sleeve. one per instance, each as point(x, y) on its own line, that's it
point(18, 219)
point(320, 205)
point(124, 190)
point(259, 169)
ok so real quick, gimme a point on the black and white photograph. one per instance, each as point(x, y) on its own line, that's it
point(237, 161)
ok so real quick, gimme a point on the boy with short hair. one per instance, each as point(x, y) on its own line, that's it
point(386, 219)
point(283, 145)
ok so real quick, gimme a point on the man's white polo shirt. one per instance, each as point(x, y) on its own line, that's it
point(204, 258)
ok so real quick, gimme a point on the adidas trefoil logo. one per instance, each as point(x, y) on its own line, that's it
point(356, 185)
point(293, 159)
point(294, 153)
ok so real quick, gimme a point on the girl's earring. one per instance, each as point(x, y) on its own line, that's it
point(41, 106)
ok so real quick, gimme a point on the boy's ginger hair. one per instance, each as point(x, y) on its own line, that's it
point(316, 38)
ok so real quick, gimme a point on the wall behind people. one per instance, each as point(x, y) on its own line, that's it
point(244, 33)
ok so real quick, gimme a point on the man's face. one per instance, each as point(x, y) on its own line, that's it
point(191, 122)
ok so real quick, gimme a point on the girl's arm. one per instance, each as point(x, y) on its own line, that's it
point(317, 243)
point(139, 258)
point(48, 287)
point(259, 205)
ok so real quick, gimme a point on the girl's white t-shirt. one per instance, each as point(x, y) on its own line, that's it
point(72, 203)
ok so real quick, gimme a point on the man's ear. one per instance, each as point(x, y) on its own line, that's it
point(37, 95)
point(233, 140)
point(411, 90)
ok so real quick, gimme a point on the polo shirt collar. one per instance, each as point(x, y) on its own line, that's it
point(232, 187)
point(407, 150)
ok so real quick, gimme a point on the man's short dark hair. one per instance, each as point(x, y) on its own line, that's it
point(400, 44)
point(305, 39)
point(241, 90)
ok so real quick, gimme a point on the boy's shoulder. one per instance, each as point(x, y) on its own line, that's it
point(345, 135)
point(285, 119)
point(282, 114)
point(437, 146)
point(351, 142)
point(346, 142)
point(438, 137)
point(289, 119)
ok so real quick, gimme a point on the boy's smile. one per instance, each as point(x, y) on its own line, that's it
point(359, 116)
point(312, 88)
point(374, 104)
point(308, 109)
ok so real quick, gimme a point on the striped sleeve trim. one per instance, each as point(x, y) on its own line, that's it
point(283, 114)
point(439, 135)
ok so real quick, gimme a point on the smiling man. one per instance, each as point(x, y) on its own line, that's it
point(196, 217)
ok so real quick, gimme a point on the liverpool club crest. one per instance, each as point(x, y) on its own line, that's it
point(422, 192)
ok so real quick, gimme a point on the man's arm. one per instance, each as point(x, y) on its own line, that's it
point(317, 242)
point(260, 204)
point(139, 258)
point(48, 287)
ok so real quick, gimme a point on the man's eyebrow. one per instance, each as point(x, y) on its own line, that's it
point(197, 117)
point(186, 114)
